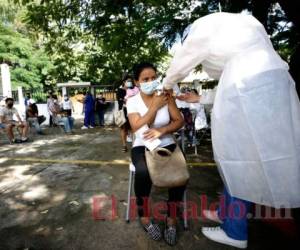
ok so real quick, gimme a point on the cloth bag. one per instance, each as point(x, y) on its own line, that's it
point(119, 117)
point(41, 119)
point(166, 168)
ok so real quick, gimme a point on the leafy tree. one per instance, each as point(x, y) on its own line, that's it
point(97, 40)
point(30, 65)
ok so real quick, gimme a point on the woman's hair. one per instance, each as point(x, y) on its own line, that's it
point(138, 68)
point(126, 77)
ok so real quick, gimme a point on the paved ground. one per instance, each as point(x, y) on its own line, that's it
point(47, 188)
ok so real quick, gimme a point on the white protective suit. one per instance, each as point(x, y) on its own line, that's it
point(256, 113)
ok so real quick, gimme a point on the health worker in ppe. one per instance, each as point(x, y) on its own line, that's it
point(255, 118)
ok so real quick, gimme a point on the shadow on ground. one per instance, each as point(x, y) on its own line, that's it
point(47, 188)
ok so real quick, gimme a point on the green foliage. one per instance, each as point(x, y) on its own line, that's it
point(98, 40)
point(39, 96)
point(282, 32)
point(30, 66)
point(8, 12)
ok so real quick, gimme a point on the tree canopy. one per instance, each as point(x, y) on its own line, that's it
point(97, 41)
point(30, 65)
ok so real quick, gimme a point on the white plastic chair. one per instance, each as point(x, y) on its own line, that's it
point(130, 184)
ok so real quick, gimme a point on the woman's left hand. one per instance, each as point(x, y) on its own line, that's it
point(153, 133)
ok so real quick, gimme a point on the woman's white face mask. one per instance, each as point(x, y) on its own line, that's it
point(148, 88)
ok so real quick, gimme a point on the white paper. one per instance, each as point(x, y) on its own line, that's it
point(151, 145)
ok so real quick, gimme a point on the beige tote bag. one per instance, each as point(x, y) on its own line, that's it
point(166, 168)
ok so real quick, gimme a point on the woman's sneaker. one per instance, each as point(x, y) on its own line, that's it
point(217, 234)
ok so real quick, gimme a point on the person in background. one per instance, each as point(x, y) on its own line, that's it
point(67, 105)
point(7, 114)
point(131, 90)
point(121, 93)
point(32, 117)
point(50, 101)
point(100, 108)
point(28, 100)
point(61, 117)
point(89, 111)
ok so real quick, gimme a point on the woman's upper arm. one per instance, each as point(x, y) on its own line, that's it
point(133, 120)
point(175, 114)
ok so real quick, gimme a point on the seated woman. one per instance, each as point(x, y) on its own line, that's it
point(32, 116)
point(163, 118)
point(60, 117)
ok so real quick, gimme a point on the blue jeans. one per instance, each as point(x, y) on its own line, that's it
point(233, 212)
point(68, 123)
point(34, 121)
point(89, 118)
point(71, 122)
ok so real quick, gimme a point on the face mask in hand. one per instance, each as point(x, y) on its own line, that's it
point(148, 88)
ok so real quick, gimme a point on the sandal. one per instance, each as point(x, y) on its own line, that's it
point(124, 149)
point(170, 234)
point(153, 230)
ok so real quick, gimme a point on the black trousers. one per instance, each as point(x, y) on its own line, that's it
point(143, 184)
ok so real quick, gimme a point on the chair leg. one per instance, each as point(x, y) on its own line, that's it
point(195, 142)
point(131, 173)
point(182, 141)
point(185, 222)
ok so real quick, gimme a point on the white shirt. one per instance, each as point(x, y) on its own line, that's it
point(8, 113)
point(66, 105)
point(136, 104)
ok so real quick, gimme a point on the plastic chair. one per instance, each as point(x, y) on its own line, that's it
point(130, 184)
